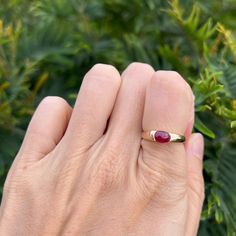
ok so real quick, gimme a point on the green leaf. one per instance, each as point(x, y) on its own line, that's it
point(233, 124)
point(203, 129)
point(218, 216)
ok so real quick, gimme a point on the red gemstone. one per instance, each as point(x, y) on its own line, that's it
point(162, 137)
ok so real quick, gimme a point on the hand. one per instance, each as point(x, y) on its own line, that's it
point(78, 174)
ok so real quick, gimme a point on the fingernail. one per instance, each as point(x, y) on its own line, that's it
point(197, 145)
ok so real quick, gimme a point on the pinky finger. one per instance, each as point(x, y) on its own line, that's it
point(195, 152)
point(46, 128)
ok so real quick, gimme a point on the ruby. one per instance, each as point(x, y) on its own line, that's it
point(162, 137)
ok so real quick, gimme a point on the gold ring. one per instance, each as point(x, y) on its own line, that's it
point(162, 136)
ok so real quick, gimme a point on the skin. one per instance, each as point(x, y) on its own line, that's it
point(78, 174)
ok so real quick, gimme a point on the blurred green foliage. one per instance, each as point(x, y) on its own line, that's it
point(47, 46)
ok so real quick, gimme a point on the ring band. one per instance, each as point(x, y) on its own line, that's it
point(162, 136)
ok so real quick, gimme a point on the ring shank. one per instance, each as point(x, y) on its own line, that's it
point(176, 138)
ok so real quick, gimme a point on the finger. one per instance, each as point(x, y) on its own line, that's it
point(194, 148)
point(125, 125)
point(46, 128)
point(189, 129)
point(168, 107)
point(93, 107)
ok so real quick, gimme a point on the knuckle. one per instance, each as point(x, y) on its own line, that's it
point(172, 79)
point(173, 75)
point(55, 102)
point(138, 67)
point(182, 83)
point(100, 67)
point(176, 74)
point(104, 73)
point(103, 70)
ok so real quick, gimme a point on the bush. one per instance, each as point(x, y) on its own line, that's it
point(47, 46)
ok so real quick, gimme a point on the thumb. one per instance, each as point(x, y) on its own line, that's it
point(195, 151)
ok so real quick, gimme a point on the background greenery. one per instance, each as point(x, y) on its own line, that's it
point(47, 46)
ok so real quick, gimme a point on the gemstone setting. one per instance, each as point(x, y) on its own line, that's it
point(162, 137)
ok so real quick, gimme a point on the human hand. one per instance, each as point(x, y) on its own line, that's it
point(78, 174)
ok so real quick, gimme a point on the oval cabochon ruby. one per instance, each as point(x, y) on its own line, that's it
point(162, 137)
